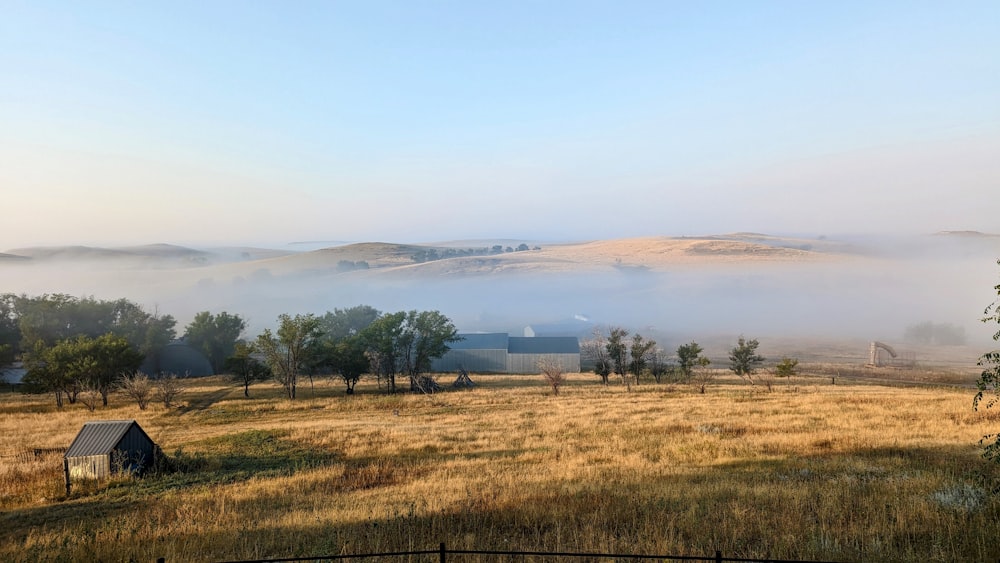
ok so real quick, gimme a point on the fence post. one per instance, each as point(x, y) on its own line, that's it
point(718, 556)
point(66, 475)
point(161, 560)
point(442, 552)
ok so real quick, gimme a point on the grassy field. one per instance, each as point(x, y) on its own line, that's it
point(809, 470)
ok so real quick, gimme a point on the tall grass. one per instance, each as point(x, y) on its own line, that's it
point(810, 470)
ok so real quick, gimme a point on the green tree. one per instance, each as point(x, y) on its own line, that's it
point(407, 342)
point(786, 367)
point(51, 318)
point(687, 358)
point(290, 350)
point(349, 360)
point(427, 336)
point(618, 353)
point(69, 365)
point(215, 336)
point(383, 340)
point(989, 380)
point(10, 334)
point(743, 358)
point(341, 323)
point(48, 372)
point(244, 368)
point(639, 352)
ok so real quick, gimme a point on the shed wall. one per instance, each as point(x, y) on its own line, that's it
point(89, 466)
point(137, 447)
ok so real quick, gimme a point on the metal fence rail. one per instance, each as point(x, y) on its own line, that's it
point(442, 553)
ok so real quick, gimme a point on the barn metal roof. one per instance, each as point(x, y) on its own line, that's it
point(544, 345)
point(481, 341)
point(99, 437)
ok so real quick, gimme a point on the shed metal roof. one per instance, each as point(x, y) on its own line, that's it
point(544, 345)
point(481, 341)
point(100, 437)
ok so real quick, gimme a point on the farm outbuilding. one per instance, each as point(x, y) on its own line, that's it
point(483, 353)
point(498, 352)
point(525, 353)
point(106, 447)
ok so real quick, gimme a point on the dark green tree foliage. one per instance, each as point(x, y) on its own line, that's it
point(215, 336)
point(989, 380)
point(51, 318)
point(639, 352)
point(349, 360)
point(618, 352)
point(244, 368)
point(69, 365)
point(383, 340)
point(291, 350)
point(786, 367)
point(341, 323)
point(10, 334)
point(743, 359)
point(407, 342)
point(687, 358)
point(428, 336)
point(343, 350)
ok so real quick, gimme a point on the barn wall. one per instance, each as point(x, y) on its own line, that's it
point(489, 361)
point(528, 363)
point(89, 467)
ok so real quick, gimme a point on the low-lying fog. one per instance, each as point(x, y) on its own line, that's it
point(873, 294)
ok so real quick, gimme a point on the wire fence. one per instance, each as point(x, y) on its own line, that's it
point(444, 554)
point(29, 454)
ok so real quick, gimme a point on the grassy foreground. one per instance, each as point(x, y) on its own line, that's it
point(810, 470)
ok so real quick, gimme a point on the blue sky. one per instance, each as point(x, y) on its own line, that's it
point(270, 122)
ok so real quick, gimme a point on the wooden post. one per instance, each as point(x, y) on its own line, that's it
point(442, 552)
point(718, 556)
point(66, 474)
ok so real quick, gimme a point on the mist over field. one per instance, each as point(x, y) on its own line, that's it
point(674, 289)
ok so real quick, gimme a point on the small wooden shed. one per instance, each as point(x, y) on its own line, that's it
point(106, 447)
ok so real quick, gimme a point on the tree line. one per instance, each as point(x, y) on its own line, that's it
point(75, 347)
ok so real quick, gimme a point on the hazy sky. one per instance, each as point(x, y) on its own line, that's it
point(269, 122)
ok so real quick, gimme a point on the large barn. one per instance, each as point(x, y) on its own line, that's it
point(498, 352)
point(104, 447)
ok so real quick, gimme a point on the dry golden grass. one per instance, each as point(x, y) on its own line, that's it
point(810, 470)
